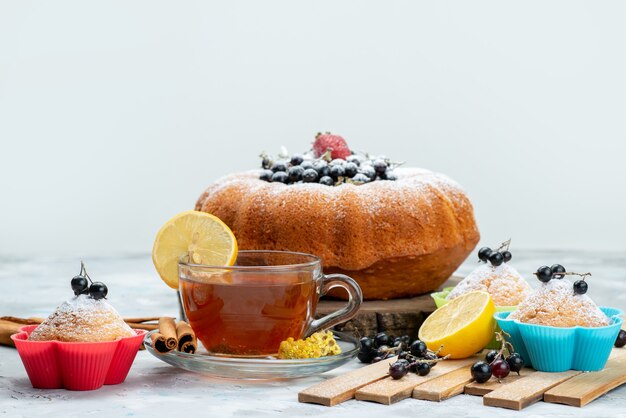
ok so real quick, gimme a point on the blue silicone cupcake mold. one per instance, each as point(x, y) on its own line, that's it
point(555, 349)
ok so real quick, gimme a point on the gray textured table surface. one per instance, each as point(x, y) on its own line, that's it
point(36, 287)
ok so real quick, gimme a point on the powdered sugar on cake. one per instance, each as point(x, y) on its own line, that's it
point(555, 304)
point(506, 286)
point(82, 319)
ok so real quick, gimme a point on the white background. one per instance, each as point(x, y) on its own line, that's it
point(114, 116)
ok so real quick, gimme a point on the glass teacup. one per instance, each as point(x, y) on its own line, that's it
point(268, 296)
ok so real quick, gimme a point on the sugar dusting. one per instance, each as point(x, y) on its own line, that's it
point(506, 286)
point(555, 304)
point(82, 319)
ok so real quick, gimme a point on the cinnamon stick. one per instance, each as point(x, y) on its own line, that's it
point(23, 321)
point(141, 320)
point(8, 328)
point(187, 342)
point(165, 340)
point(147, 327)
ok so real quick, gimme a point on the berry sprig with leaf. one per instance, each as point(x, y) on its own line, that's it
point(330, 163)
point(83, 285)
point(496, 257)
point(557, 271)
point(496, 363)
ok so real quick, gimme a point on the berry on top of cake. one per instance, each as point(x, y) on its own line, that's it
point(504, 283)
point(560, 303)
point(330, 163)
point(87, 317)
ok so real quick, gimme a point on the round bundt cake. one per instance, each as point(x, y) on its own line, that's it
point(395, 238)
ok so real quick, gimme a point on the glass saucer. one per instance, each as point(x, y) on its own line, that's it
point(264, 368)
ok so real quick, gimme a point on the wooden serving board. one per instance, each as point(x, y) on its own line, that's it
point(452, 377)
point(584, 388)
point(396, 316)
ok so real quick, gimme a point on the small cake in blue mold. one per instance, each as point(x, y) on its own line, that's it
point(556, 329)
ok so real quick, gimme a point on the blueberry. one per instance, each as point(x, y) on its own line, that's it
point(338, 161)
point(431, 356)
point(295, 173)
point(98, 290)
point(279, 166)
point(366, 344)
point(397, 342)
point(368, 171)
point(309, 175)
point(306, 164)
point(496, 259)
point(266, 163)
point(507, 256)
point(355, 159)
point(481, 372)
point(280, 177)
point(557, 268)
point(484, 253)
point(620, 341)
point(360, 178)
point(266, 175)
point(398, 370)
point(80, 285)
point(382, 339)
point(491, 356)
point(418, 349)
point(322, 168)
point(327, 181)
point(296, 159)
point(366, 357)
point(423, 369)
point(350, 169)
point(380, 166)
point(544, 274)
point(580, 287)
point(389, 175)
point(516, 362)
point(336, 171)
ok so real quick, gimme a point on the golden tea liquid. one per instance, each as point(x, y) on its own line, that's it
point(251, 317)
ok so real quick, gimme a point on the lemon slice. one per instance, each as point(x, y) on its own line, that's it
point(463, 326)
point(204, 238)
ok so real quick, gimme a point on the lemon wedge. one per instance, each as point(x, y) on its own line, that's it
point(463, 326)
point(200, 236)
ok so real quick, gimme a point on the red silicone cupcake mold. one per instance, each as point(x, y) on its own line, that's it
point(76, 365)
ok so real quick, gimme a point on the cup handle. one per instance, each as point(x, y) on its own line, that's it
point(355, 298)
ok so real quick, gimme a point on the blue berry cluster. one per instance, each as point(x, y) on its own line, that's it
point(80, 285)
point(412, 356)
point(557, 271)
point(299, 168)
point(496, 258)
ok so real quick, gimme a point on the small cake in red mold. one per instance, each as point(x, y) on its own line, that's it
point(83, 345)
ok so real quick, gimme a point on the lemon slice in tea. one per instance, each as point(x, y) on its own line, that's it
point(203, 237)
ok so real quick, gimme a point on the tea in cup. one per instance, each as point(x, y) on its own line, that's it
point(249, 308)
